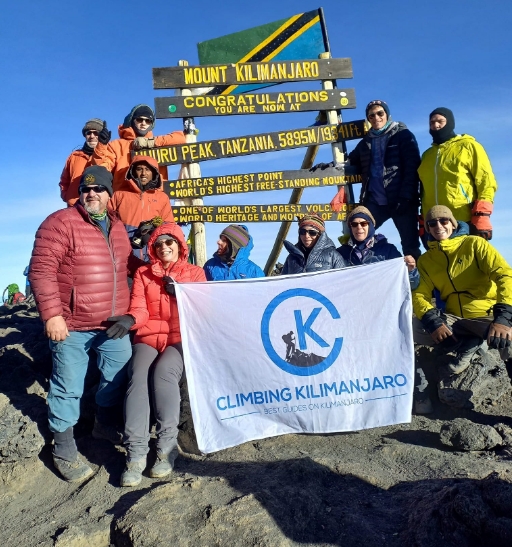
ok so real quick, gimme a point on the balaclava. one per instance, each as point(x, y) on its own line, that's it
point(137, 111)
point(447, 132)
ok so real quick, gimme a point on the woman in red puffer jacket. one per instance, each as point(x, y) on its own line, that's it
point(157, 353)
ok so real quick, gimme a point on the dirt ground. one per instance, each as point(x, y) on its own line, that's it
point(391, 486)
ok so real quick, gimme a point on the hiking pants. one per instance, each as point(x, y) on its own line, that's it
point(70, 360)
point(153, 379)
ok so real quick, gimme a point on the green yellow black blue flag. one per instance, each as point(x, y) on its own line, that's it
point(302, 36)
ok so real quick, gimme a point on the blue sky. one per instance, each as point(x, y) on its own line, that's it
point(63, 63)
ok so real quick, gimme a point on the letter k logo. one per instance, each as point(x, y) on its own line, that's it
point(305, 328)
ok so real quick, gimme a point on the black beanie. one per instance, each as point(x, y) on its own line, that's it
point(97, 175)
point(137, 111)
point(384, 105)
point(447, 132)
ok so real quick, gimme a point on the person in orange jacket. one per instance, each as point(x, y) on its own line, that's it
point(134, 134)
point(142, 199)
point(79, 159)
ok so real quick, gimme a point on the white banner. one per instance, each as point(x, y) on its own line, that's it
point(317, 353)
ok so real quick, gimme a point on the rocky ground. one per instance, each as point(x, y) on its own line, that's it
point(443, 480)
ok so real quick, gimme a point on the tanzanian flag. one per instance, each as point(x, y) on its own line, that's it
point(302, 36)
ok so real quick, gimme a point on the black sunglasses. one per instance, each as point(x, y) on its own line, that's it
point(380, 114)
point(147, 120)
point(97, 189)
point(363, 223)
point(304, 231)
point(434, 221)
point(92, 132)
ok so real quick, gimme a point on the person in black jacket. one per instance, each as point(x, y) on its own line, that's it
point(388, 157)
point(314, 251)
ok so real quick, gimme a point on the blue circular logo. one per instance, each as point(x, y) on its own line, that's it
point(298, 362)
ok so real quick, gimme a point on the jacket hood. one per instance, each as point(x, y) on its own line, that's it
point(129, 118)
point(127, 133)
point(176, 232)
point(461, 230)
point(152, 164)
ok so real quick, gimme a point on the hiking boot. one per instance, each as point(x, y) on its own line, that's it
point(132, 474)
point(465, 352)
point(107, 432)
point(72, 471)
point(423, 406)
point(164, 464)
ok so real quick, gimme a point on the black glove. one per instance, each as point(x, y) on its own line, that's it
point(104, 135)
point(403, 206)
point(432, 320)
point(143, 234)
point(169, 285)
point(120, 328)
point(323, 166)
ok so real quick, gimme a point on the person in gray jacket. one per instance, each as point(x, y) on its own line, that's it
point(314, 252)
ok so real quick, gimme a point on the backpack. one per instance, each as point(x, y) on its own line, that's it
point(14, 296)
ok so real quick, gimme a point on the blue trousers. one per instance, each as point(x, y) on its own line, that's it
point(70, 359)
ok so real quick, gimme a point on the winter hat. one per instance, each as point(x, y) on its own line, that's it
point(384, 105)
point(94, 123)
point(447, 132)
point(312, 220)
point(361, 212)
point(238, 236)
point(440, 211)
point(137, 111)
point(165, 237)
point(97, 175)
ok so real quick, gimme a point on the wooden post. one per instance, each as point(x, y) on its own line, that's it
point(187, 171)
point(307, 163)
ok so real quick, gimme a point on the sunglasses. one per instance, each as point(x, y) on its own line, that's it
point(95, 189)
point(92, 132)
point(304, 231)
point(380, 114)
point(434, 221)
point(167, 242)
point(363, 223)
point(145, 120)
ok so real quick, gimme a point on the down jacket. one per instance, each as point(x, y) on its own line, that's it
point(468, 271)
point(455, 174)
point(154, 310)
point(71, 174)
point(75, 272)
point(242, 267)
point(401, 161)
point(116, 155)
point(323, 256)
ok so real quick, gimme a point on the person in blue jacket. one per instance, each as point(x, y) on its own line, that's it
point(314, 252)
point(367, 247)
point(231, 260)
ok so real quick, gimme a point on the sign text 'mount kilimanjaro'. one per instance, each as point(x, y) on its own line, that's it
point(255, 144)
point(259, 182)
point(283, 212)
point(254, 103)
point(249, 73)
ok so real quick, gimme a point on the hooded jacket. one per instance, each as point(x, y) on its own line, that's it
point(468, 271)
point(242, 268)
point(456, 173)
point(75, 272)
point(401, 161)
point(116, 157)
point(154, 310)
point(134, 204)
point(323, 256)
point(71, 174)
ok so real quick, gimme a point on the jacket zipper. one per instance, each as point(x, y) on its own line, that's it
point(113, 264)
point(435, 176)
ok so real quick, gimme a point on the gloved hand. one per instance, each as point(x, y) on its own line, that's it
point(143, 142)
point(169, 285)
point(104, 135)
point(189, 127)
point(499, 336)
point(481, 219)
point(120, 328)
point(434, 323)
point(403, 206)
point(322, 166)
point(338, 200)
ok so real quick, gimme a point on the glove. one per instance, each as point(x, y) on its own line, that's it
point(322, 166)
point(499, 336)
point(421, 227)
point(338, 200)
point(104, 135)
point(189, 127)
point(403, 206)
point(169, 285)
point(481, 219)
point(123, 323)
point(143, 142)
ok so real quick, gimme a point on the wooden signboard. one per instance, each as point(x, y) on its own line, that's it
point(274, 72)
point(254, 103)
point(255, 144)
point(255, 213)
point(259, 182)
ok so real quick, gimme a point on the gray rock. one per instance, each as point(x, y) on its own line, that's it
point(505, 432)
point(484, 382)
point(465, 435)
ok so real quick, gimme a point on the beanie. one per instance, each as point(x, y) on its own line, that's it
point(384, 105)
point(361, 212)
point(447, 132)
point(97, 175)
point(238, 236)
point(94, 123)
point(312, 220)
point(440, 211)
point(137, 111)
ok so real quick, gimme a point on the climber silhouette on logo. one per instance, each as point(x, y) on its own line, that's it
point(297, 357)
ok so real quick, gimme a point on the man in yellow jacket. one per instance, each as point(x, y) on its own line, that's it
point(473, 279)
point(455, 171)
